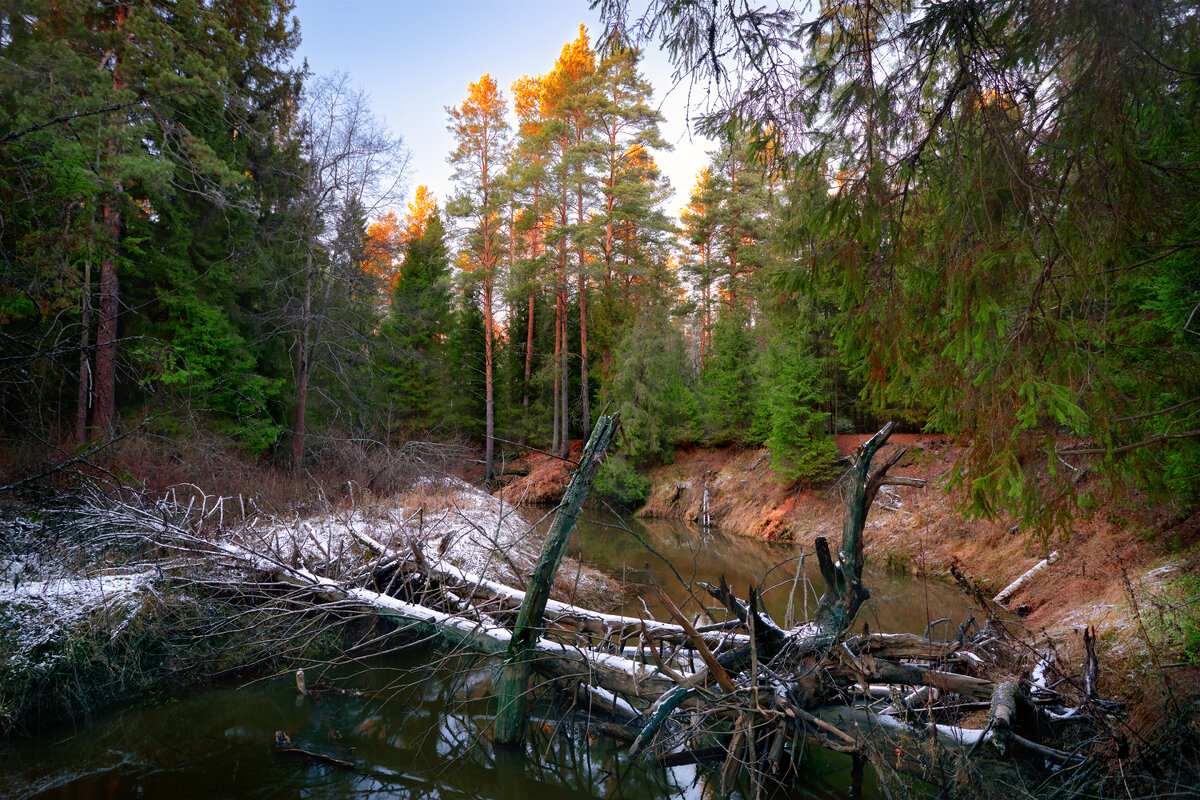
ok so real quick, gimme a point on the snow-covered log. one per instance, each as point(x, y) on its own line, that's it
point(746, 685)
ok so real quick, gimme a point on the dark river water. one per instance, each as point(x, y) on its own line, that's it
point(417, 728)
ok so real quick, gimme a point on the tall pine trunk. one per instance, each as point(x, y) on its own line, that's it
point(528, 374)
point(489, 457)
point(563, 370)
point(85, 363)
point(565, 394)
point(104, 409)
point(583, 351)
point(554, 368)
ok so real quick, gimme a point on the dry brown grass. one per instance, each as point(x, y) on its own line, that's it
point(195, 461)
point(545, 477)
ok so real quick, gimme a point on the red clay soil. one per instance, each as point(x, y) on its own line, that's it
point(537, 478)
point(848, 443)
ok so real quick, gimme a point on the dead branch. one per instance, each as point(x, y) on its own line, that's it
point(865, 694)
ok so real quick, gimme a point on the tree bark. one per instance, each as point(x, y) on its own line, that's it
point(1007, 592)
point(104, 409)
point(844, 590)
point(585, 407)
point(513, 685)
point(528, 374)
point(564, 391)
point(490, 445)
point(489, 277)
point(564, 395)
point(554, 420)
point(302, 365)
point(85, 363)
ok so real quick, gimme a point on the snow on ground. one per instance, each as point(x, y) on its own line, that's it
point(448, 518)
point(36, 612)
point(42, 600)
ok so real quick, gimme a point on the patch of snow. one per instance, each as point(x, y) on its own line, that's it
point(38, 612)
point(83, 593)
point(456, 523)
point(1164, 570)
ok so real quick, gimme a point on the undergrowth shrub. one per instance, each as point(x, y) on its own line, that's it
point(618, 482)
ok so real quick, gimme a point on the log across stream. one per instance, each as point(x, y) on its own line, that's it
point(593, 702)
point(416, 729)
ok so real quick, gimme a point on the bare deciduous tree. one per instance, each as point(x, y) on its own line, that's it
point(352, 165)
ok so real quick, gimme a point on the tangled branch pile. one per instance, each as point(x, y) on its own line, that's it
point(978, 714)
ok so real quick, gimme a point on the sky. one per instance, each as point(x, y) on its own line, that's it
point(416, 57)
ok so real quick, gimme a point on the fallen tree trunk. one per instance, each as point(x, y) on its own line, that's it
point(757, 688)
point(1008, 591)
point(484, 590)
point(513, 685)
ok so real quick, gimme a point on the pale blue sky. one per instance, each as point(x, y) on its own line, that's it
point(415, 57)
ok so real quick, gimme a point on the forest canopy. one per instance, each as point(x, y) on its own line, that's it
point(980, 218)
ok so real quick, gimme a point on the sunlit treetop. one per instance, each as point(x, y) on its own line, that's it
point(576, 64)
point(420, 210)
point(639, 160)
point(478, 126)
point(529, 98)
point(381, 247)
point(695, 212)
point(577, 60)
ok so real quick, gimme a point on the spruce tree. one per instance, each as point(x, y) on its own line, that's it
point(413, 333)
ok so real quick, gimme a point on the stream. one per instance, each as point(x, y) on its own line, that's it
point(415, 726)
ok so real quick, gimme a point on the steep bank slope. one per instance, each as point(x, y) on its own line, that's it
point(1149, 548)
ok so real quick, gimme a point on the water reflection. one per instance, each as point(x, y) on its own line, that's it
point(416, 740)
point(416, 725)
point(674, 555)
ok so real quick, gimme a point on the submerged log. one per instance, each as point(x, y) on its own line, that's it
point(758, 690)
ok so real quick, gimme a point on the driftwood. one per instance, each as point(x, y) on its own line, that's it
point(1008, 591)
point(754, 693)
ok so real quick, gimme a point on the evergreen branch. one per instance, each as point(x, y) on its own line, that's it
point(12, 136)
point(1169, 252)
point(1160, 411)
point(1100, 451)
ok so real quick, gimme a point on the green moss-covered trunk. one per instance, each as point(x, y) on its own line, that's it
point(844, 590)
point(513, 684)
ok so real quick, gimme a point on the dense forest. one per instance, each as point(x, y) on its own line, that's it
point(966, 227)
point(980, 219)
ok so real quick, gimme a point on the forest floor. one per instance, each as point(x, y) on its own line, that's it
point(1129, 570)
point(92, 611)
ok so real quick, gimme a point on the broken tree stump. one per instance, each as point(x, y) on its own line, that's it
point(513, 684)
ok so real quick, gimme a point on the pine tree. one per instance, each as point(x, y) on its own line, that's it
point(156, 122)
point(415, 328)
point(729, 378)
point(480, 154)
point(651, 389)
point(700, 234)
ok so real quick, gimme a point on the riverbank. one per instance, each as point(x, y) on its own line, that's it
point(94, 611)
point(1130, 572)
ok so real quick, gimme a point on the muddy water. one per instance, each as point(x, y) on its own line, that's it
point(415, 727)
point(676, 555)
